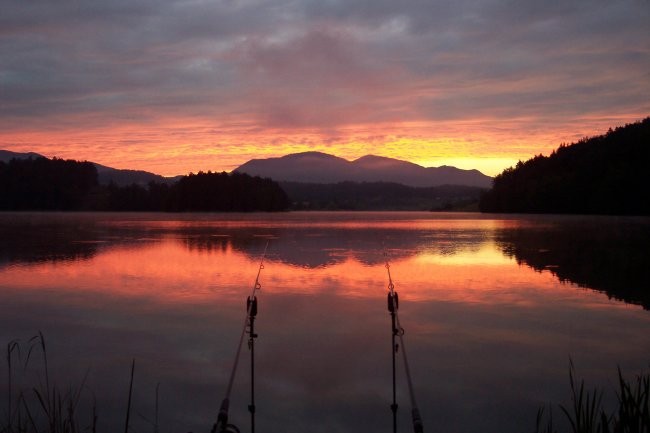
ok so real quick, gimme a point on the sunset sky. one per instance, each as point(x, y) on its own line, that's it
point(173, 86)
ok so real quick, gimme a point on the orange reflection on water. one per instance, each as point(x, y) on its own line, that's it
point(394, 220)
point(165, 271)
point(173, 271)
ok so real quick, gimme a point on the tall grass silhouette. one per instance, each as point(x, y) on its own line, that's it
point(587, 415)
point(44, 407)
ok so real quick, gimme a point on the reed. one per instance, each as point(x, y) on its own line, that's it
point(586, 414)
point(45, 408)
point(634, 406)
point(543, 425)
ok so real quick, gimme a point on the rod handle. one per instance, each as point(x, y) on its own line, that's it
point(417, 421)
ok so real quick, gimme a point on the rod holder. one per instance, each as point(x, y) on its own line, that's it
point(251, 306)
point(393, 302)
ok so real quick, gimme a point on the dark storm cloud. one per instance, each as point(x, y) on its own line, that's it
point(323, 63)
point(71, 56)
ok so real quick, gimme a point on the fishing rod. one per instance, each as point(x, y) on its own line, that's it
point(398, 332)
point(222, 425)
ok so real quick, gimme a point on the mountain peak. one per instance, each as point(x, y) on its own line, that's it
point(373, 159)
point(310, 155)
point(319, 167)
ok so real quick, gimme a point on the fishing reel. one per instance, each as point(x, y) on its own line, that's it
point(223, 427)
point(229, 428)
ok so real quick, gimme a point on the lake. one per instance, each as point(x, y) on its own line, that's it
point(493, 307)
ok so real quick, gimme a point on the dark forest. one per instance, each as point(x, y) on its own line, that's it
point(66, 185)
point(606, 175)
point(369, 196)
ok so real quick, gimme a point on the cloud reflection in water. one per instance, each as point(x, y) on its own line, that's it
point(489, 339)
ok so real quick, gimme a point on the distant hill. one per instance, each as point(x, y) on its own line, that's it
point(105, 175)
point(368, 196)
point(607, 174)
point(6, 155)
point(121, 177)
point(317, 167)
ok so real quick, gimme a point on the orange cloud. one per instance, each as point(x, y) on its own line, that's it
point(170, 146)
point(173, 87)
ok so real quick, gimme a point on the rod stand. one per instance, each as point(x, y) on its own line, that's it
point(251, 307)
point(393, 305)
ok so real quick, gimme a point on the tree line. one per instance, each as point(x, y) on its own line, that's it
point(606, 174)
point(67, 185)
point(368, 196)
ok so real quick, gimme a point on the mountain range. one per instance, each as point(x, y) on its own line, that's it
point(317, 167)
point(311, 167)
point(105, 175)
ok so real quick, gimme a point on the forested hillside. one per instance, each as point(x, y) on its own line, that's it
point(46, 184)
point(67, 185)
point(368, 196)
point(607, 174)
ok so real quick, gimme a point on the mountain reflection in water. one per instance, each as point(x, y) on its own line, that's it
point(489, 339)
point(604, 254)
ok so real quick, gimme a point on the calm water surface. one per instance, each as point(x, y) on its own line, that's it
point(493, 308)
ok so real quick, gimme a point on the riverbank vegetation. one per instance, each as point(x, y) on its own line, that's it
point(40, 405)
point(44, 184)
point(586, 413)
point(44, 406)
point(606, 175)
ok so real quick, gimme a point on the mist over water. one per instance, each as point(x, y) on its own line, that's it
point(493, 308)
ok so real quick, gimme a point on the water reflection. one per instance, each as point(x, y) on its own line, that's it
point(490, 318)
point(605, 254)
point(25, 242)
point(304, 241)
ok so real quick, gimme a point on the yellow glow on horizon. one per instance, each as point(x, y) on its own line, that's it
point(173, 146)
point(490, 166)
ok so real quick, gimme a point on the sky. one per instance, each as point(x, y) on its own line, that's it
point(179, 86)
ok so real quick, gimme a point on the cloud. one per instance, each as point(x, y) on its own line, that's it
point(315, 78)
point(318, 68)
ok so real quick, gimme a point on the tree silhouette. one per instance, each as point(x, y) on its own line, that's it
point(606, 174)
point(44, 184)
